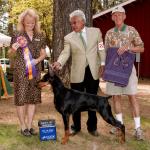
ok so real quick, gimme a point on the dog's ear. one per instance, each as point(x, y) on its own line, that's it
point(45, 78)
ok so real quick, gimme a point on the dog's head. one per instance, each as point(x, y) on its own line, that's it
point(50, 77)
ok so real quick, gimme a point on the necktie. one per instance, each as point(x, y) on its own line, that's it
point(84, 44)
point(83, 40)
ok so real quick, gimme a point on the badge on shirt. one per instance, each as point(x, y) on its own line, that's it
point(100, 46)
point(37, 40)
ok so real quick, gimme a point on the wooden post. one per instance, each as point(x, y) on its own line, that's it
point(0, 86)
point(3, 82)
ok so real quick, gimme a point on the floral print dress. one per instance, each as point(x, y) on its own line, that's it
point(26, 91)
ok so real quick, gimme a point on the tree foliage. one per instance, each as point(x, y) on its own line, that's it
point(3, 16)
point(44, 9)
point(2, 7)
point(100, 5)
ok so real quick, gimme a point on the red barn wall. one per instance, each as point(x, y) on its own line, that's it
point(138, 15)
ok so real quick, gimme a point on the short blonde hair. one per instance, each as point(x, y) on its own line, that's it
point(32, 13)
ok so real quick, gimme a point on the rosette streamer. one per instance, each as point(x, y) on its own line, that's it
point(29, 61)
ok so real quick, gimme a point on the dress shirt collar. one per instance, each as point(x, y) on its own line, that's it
point(83, 30)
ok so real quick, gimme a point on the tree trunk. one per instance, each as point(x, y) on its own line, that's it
point(61, 27)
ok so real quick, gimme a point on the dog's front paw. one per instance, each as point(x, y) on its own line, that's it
point(121, 136)
point(122, 139)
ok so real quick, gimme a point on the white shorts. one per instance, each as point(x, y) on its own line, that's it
point(130, 89)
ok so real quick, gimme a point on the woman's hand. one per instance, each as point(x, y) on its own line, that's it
point(15, 46)
point(35, 61)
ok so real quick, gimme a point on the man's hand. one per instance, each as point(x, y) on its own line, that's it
point(101, 70)
point(122, 49)
point(56, 66)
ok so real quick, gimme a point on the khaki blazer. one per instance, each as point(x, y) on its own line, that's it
point(80, 55)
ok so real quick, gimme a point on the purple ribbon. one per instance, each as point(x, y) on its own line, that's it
point(30, 70)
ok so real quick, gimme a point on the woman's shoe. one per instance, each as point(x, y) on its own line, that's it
point(26, 132)
point(32, 132)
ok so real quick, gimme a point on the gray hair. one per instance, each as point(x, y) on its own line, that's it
point(78, 13)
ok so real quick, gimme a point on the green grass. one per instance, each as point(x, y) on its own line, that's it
point(145, 122)
point(139, 145)
point(11, 139)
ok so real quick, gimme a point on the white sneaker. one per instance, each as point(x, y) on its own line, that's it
point(138, 134)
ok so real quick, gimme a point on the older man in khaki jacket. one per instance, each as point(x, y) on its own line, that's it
point(85, 46)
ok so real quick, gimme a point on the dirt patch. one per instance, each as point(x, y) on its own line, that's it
point(46, 110)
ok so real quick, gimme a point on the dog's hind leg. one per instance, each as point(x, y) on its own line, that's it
point(66, 128)
point(107, 115)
